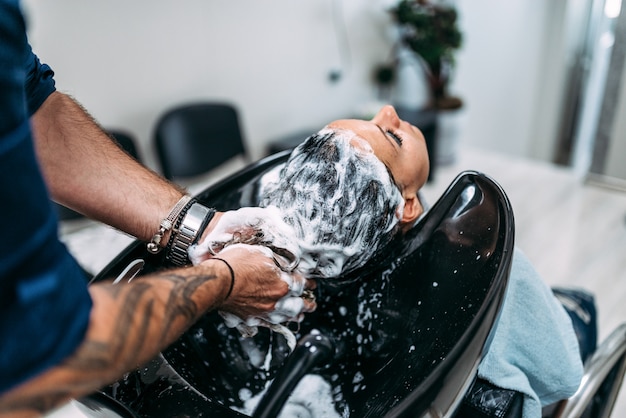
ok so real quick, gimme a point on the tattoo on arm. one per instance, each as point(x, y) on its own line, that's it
point(139, 327)
point(180, 302)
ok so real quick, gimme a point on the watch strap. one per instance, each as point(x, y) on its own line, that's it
point(193, 223)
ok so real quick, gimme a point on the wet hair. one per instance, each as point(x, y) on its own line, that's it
point(339, 198)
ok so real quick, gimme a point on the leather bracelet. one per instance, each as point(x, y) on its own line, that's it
point(154, 246)
point(186, 234)
point(232, 276)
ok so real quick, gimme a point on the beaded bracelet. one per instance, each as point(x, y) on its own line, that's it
point(179, 220)
point(154, 246)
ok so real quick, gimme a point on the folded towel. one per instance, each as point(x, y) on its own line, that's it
point(534, 350)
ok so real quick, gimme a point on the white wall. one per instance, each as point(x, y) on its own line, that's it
point(127, 61)
point(510, 73)
point(616, 154)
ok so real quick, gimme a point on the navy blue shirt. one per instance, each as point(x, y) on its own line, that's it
point(44, 302)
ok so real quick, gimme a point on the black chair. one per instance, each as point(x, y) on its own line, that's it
point(127, 142)
point(193, 139)
point(66, 214)
point(426, 329)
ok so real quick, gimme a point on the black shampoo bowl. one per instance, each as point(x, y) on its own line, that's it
point(403, 336)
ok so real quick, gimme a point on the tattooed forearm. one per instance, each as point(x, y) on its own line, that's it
point(130, 324)
point(93, 355)
point(132, 305)
point(180, 302)
point(28, 407)
point(142, 322)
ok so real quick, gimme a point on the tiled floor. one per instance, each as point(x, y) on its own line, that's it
point(575, 234)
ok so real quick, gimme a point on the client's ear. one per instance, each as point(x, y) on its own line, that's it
point(412, 209)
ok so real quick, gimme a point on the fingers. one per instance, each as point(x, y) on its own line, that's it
point(254, 226)
point(290, 309)
point(310, 304)
point(295, 283)
point(263, 290)
point(297, 287)
point(293, 306)
point(250, 248)
point(300, 297)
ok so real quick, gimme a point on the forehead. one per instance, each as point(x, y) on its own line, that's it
point(359, 127)
point(354, 147)
point(407, 164)
point(368, 136)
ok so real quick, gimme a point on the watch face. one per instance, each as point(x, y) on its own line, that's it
point(186, 233)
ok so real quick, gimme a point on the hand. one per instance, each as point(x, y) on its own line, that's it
point(262, 289)
point(251, 225)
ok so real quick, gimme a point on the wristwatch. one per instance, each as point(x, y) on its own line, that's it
point(192, 225)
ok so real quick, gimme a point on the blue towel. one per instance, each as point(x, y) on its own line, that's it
point(534, 350)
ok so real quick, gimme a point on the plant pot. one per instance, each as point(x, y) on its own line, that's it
point(410, 90)
point(449, 130)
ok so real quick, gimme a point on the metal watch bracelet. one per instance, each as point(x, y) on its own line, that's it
point(187, 233)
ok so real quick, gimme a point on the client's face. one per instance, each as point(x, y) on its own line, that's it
point(401, 147)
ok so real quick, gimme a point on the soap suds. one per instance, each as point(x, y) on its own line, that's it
point(324, 213)
point(311, 398)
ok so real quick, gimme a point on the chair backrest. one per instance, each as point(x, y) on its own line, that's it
point(409, 328)
point(193, 139)
point(126, 141)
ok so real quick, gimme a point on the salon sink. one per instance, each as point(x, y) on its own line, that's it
point(403, 335)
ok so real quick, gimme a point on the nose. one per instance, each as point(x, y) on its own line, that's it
point(387, 116)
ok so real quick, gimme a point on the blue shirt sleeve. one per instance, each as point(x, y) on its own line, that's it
point(44, 301)
point(39, 81)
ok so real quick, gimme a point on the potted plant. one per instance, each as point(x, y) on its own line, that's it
point(430, 30)
point(429, 33)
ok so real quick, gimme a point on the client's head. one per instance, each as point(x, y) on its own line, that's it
point(348, 189)
point(401, 147)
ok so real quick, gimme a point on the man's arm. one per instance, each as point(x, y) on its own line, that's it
point(131, 323)
point(86, 171)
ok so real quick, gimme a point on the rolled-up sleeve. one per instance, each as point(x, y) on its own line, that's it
point(39, 81)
